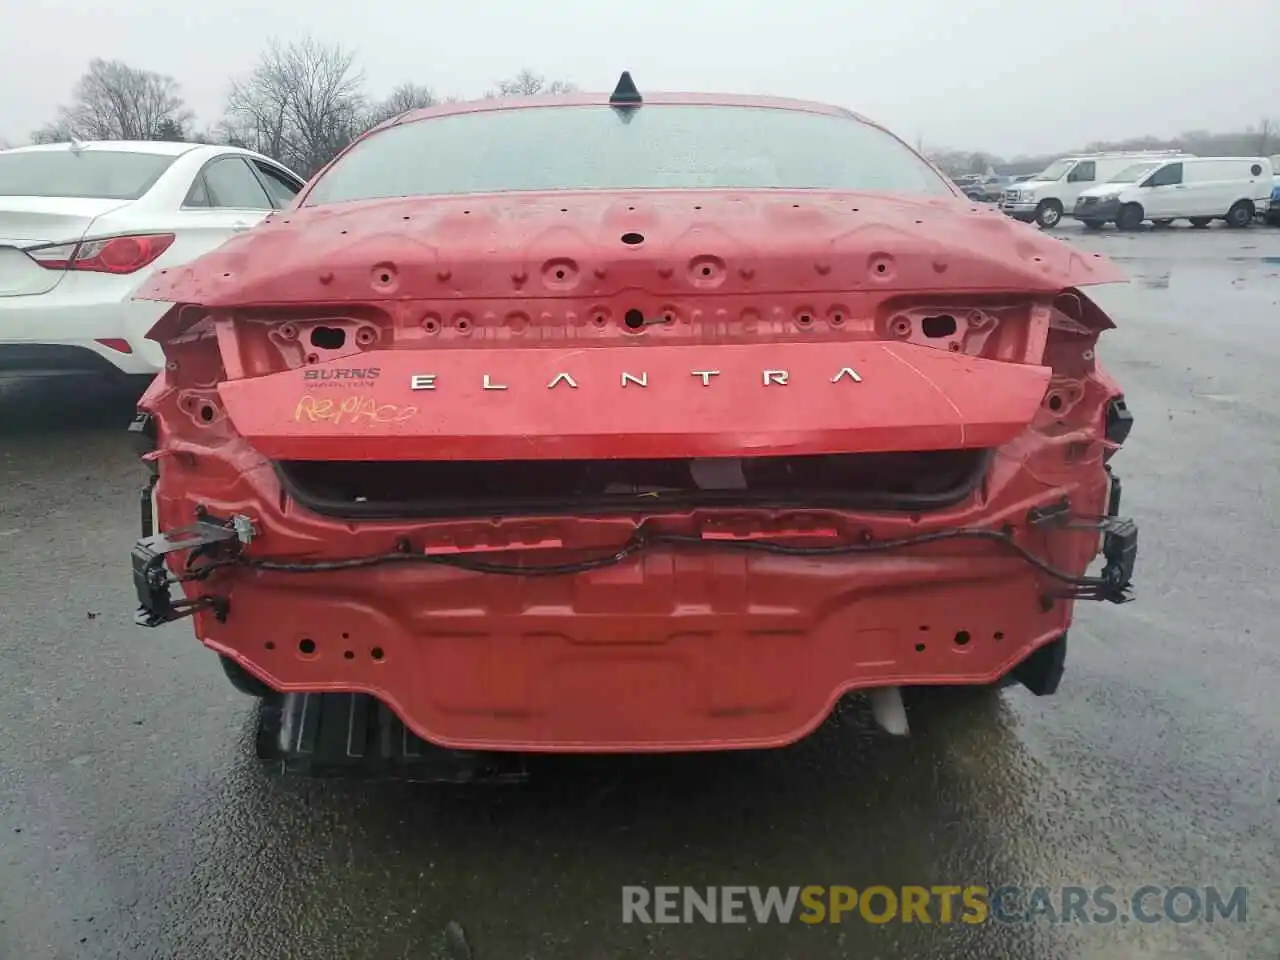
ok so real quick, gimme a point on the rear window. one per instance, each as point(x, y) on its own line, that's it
point(672, 147)
point(98, 174)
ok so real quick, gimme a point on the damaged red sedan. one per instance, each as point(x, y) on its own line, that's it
point(625, 423)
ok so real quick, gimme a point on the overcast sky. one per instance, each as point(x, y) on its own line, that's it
point(1032, 76)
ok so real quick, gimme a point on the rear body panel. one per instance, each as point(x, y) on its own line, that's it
point(703, 331)
point(677, 648)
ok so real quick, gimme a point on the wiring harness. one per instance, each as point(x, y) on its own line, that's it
point(213, 545)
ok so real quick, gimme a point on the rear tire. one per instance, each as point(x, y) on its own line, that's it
point(1240, 214)
point(1200, 222)
point(1049, 214)
point(1130, 217)
point(243, 680)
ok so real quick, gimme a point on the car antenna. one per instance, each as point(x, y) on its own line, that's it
point(625, 94)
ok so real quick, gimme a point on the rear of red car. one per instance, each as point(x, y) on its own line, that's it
point(569, 425)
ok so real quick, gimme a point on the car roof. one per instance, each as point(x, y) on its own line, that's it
point(164, 148)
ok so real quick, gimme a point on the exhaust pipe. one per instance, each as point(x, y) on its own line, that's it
point(888, 710)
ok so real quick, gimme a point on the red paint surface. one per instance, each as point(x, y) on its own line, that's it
point(909, 398)
point(677, 648)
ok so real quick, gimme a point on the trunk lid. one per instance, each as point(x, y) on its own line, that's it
point(40, 221)
point(594, 327)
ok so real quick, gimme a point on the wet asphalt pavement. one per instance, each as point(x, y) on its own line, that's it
point(134, 822)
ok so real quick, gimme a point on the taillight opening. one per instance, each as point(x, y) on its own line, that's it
point(116, 255)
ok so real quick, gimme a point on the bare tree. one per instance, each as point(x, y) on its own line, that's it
point(114, 101)
point(301, 104)
point(407, 96)
point(1266, 135)
point(526, 83)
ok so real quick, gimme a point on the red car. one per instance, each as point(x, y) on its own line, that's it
point(618, 423)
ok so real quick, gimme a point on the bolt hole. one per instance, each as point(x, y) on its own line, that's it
point(306, 647)
point(939, 326)
point(329, 338)
point(463, 325)
point(697, 206)
point(599, 320)
point(559, 274)
point(384, 278)
point(706, 271)
point(999, 635)
point(837, 319)
point(346, 636)
point(962, 638)
point(924, 628)
point(919, 648)
point(804, 319)
point(206, 413)
point(853, 209)
point(564, 209)
point(270, 644)
point(402, 218)
point(348, 655)
point(377, 653)
point(466, 212)
point(342, 231)
point(633, 319)
point(632, 239)
point(313, 358)
point(630, 208)
point(1055, 402)
point(881, 268)
point(365, 336)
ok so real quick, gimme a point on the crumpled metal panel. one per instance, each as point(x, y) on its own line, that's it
point(526, 246)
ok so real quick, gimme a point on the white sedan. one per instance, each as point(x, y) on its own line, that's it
point(82, 225)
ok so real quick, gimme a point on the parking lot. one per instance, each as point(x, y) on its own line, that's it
point(138, 825)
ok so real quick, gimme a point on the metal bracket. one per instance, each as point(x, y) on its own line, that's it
point(1120, 550)
point(152, 580)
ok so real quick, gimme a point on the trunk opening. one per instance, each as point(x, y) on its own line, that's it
point(395, 489)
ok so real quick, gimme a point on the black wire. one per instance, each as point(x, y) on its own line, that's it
point(640, 543)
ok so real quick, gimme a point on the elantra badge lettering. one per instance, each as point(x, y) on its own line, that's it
point(769, 378)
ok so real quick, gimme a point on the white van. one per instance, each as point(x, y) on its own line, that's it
point(1052, 192)
point(1198, 189)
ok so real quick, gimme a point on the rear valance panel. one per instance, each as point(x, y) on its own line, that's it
point(641, 402)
